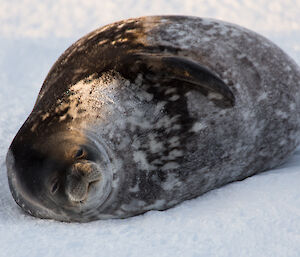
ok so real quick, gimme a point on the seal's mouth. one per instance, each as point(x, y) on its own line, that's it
point(79, 194)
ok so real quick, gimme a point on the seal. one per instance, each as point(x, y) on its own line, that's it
point(145, 113)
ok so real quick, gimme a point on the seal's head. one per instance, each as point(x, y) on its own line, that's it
point(65, 176)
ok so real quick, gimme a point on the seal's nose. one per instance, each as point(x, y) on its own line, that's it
point(81, 175)
point(88, 170)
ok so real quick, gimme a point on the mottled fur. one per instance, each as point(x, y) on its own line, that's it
point(168, 138)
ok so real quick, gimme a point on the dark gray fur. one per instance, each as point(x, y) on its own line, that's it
point(184, 105)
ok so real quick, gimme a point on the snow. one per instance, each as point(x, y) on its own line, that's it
point(259, 216)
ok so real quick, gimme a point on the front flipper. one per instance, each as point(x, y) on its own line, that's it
point(160, 68)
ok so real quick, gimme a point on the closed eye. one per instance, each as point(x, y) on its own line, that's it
point(54, 187)
point(79, 154)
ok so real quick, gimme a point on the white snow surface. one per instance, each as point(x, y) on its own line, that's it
point(259, 216)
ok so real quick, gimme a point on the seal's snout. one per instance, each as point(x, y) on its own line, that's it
point(82, 176)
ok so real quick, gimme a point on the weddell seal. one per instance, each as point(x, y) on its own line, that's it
point(145, 113)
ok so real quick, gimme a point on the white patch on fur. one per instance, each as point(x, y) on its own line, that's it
point(170, 90)
point(174, 141)
point(214, 96)
point(281, 114)
point(45, 116)
point(170, 166)
point(171, 182)
point(263, 96)
point(198, 126)
point(174, 154)
point(145, 96)
point(166, 121)
point(140, 158)
point(174, 97)
point(155, 146)
point(157, 205)
point(34, 126)
point(135, 189)
point(135, 122)
point(292, 106)
point(159, 108)
point(282, 142)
